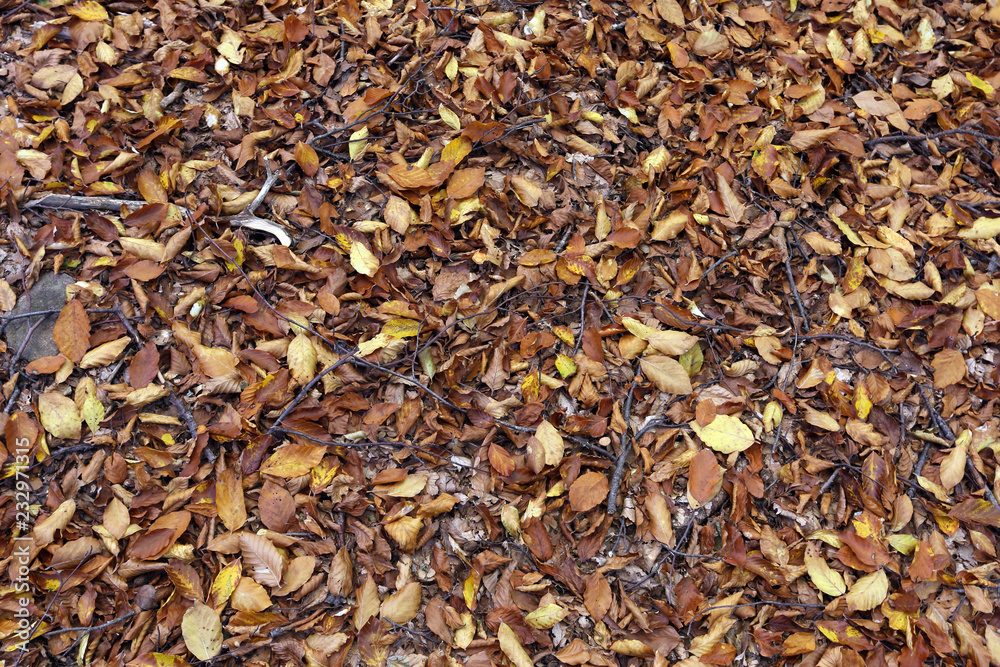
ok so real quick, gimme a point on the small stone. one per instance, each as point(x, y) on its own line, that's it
point(145, 598)
point(49, 293)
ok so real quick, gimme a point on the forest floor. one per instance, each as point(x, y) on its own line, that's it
point(550, 333)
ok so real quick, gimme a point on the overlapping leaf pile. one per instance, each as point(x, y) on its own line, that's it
point(586, 333)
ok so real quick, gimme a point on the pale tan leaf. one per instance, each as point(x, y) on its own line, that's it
point(116, 518)
point(821, 420)
point(266, 563)
point(45, 530)
point(673, 343)
point(659, 519)
point(952, 468)
point(215, 362)
point(104, 354)
point(735, 209)
point(552, 443)
point(667, 374)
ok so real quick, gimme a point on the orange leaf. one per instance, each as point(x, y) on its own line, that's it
point(588, 491)
point(229, 500)
point(306, 158)
point(465, 182)
point(976, 510)
point(705, 477)
point(72, 331)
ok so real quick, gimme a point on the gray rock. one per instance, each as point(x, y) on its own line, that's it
point(49, 293)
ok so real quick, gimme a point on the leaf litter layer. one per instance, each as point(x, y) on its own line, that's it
point(510, 333)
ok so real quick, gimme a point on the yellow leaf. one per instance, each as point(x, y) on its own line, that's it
point(293, 460)
point(979, 84)
point(851, 235)
point(936, 489)
point(456, 150)
point(225, 584)
point(465, 634)
point(406, 488)
point(306, 157)
point(772, 415)
point(670, 226)
point(202, 630)
point(511, 646)
point(823, 576)
point(469, 590)
point(59, 415)
point(367, 603)
point(546, 616)
point(373, 344)
point(725, 434)
point(401, 328)
point(633, 647)
point(91, 408)
point(868, 592)
point(904, 544)
point(357, 143)
point(565, 365)
point(656, 160)
point(982, 228)
point(89, 11)
point(692, 360)
point(449, 117)
point(537, 23)
point(363, 260)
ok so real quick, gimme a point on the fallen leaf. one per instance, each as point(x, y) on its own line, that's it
point(726, 434)
point(59, 415)
point(202, 631)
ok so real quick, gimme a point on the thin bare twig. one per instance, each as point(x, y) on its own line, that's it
point(795, 291)
point(616, 478)
point(115, 621)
